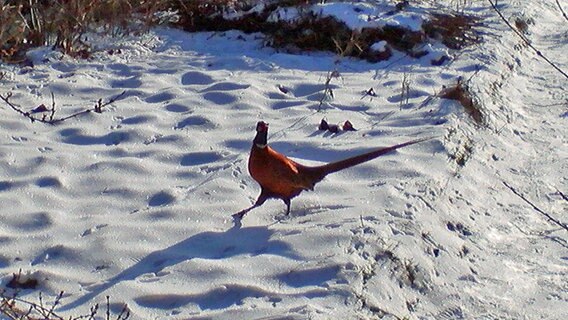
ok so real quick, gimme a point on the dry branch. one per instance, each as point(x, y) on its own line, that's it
point(564, 196)
point(525, 40)
point(537, 209)
point(328, 90)
point(10, 307)
point(561, 10)
point(98, 108)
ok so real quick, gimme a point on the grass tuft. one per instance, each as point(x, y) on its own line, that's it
point(455, 31)
point(15, 308)
point(461, 92)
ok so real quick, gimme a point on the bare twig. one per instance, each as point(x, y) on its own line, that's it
point(551, 218)
point(328, 91)
point(371, 93)
point(51, 310)
point(108, 308)
point(94, 310)
point(39, 311)
point(124, 313)
point(538, 52)
point(52, 114)
point(405, 91)
point(565, 197)
point(98, 108)
point(561, 10)
point(14, 106)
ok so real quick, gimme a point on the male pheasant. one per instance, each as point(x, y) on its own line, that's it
point(282, 178)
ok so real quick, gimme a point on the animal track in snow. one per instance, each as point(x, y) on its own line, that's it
point(161, 198)
point(30, 222)
point(161, 97)
point(93, 229)
point(196, 78)
point(140, 119)
point(129, 83)
point(124, 70)
point(221, 98)
point(177, 108)
point(195, 121)
point(218, 298)
point(310, 277)
point(200, 158)
point(76, 136)
point(60, 254)
point(48, 182)
point(226, 86)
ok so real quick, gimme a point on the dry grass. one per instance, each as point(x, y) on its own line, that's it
point(456, 31)
point(12, 27)
point(461, 92)
point(15, 308)
point(311, 32)
point(65, 24)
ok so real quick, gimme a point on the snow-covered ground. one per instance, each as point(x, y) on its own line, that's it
point(136, 202)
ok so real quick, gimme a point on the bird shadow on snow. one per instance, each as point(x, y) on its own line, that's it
point(206, 245)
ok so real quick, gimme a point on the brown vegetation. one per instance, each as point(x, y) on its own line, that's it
point(65, 25)
point(461, 92)
point(312, 32)
point(455, 31)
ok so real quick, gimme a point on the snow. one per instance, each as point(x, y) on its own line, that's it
point(356, 15)
point(288, 14)
point(380, 46)
point(136, 202)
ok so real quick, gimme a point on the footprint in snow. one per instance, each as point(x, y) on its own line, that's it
point(138, 119)
point(161, 198)
point(310, 277)
point(220, 98)
point(226, 86)
point(130, 83)
point(200, 158)
point(47, 182)
point(196, 78)
point(195, 121)
point(161, 97)
point(75, 136)
point(124, 70)
point(29, 222)
point(177, 108)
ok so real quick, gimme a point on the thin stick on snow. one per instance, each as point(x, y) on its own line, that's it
point(328, 90)
point(561, 10)
point(551, 218)
point(98, 108)
point(562, 194)
point(538, 53)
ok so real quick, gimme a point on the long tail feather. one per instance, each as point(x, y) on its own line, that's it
point(353, 161)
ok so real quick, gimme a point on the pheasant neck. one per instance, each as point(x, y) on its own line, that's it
point(261, 139)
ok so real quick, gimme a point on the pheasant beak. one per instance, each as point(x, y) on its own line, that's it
point(262, 126)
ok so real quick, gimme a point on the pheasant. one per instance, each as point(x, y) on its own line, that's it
point(282, 178)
